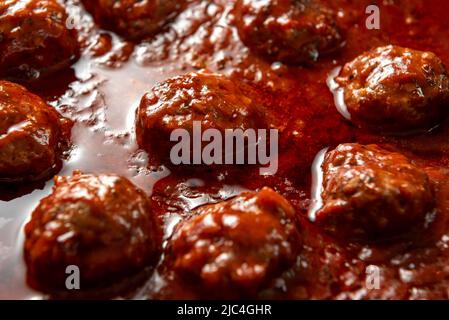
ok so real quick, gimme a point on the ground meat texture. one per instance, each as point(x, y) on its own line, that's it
point(212, 99)
point(32, 134)
point(134, 19)
point(34, 38)
point(234, 248)
point(371, 193)
point(290, 31)
point(395, 90)
point(102, 224)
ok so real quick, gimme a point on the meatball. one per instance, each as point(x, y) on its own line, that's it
point(102, 224)
point(234, 248)
point(370, 192)
point(134, 19)
point(290, 31)
point(32, 135)
point(34, 38)
point(395, 90)
point(212, 99)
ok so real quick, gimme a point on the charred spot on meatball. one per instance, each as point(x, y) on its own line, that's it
point(371, 193)
point(34, 39)
point(395, 90)
point(32, 135)
point(102, 224)
point(214, 100)
point(290, 31)
point(234, 248)
point(134, 19)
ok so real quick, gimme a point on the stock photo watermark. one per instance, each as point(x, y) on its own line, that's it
point(73, 280)
point(373, 20)
point(233, 147)
point(372, 280)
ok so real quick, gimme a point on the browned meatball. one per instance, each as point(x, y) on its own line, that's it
point(102, 224)
point(212, 99)
point(32, 134)
point(134, 19)
point(290, 31)
point(395, 90)
point(234, 248)
point(370, 192)
point(34, 38)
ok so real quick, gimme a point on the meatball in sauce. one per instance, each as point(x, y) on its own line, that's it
point(290, 31)
point(214, 100)
point(134, 19)
point(102, 224)
point(35, 39)
point(395, 90)
point(370, 193)
point(234, 248)
point(32, 135)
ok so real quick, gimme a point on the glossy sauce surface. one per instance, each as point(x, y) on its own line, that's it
point(102, 91)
